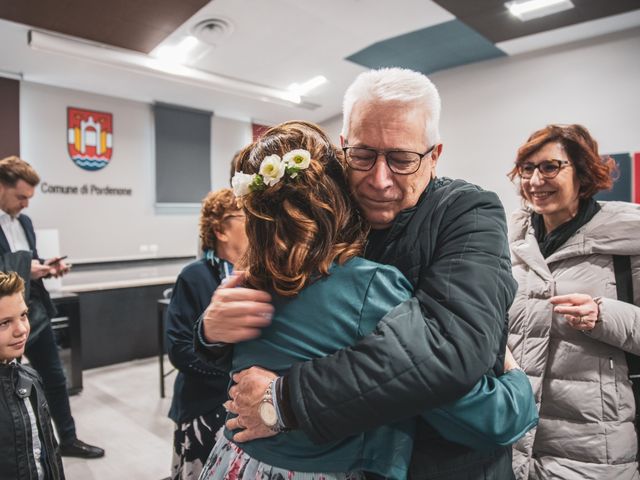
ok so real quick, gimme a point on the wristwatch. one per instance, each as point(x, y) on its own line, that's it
point(267, 410)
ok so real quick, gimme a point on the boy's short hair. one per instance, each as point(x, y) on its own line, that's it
point(10, 284)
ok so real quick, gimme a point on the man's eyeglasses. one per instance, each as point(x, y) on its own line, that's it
point(547, 168)
point(399, 161)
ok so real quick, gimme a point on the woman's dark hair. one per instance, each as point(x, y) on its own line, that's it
point(594, 173)
point(299, 226)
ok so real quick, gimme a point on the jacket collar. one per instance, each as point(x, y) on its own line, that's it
point(611, 231)
point(4, 244)
point(524, 246)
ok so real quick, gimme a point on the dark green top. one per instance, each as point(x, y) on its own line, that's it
point(335, 312)
point(328, 315)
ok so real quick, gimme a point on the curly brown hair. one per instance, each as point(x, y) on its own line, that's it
point(299, 226)
point(216, 206)
point(595, 173)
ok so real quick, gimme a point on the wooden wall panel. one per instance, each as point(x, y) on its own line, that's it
point(9, 117)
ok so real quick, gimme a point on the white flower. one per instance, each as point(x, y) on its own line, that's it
point(272, 169)
point(241, 183)
point(297, 158)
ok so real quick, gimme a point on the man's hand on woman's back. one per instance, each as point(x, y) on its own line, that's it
point(236, 313)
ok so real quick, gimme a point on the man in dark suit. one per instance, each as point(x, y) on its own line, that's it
point(18, 181)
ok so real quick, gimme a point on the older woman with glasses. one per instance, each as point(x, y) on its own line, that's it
point(200, 389)
point(569, 329)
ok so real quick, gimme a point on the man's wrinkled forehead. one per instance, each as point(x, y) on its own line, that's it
point(413, 118)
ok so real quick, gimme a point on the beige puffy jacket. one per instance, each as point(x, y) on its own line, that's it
point(580, 381)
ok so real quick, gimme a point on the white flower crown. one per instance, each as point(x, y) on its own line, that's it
point(272, 169)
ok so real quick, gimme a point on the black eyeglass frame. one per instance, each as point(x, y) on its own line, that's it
point(560, 164)
point(385, 153)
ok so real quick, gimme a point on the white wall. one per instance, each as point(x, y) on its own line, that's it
point(489, 109)
point(110, 227)
point(333, 127)
point(227, 138)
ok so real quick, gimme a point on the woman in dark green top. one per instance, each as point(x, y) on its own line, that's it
point(305, 236)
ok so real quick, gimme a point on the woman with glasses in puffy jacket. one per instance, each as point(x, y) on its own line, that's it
point(568, 329)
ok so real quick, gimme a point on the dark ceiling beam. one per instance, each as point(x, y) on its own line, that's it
point(132, 24)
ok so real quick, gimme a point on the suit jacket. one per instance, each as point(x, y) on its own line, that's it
point(41, 309)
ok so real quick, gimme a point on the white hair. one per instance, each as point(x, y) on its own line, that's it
point(394, 85)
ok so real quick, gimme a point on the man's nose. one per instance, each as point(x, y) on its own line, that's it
point(381, 176)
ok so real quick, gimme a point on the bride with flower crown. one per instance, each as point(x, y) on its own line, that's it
point(305, 241)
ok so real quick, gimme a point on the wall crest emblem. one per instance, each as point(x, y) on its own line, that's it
point(89, 138)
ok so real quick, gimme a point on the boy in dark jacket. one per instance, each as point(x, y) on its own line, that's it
point(28, 449)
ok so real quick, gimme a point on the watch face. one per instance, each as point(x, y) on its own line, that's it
point(268, 414)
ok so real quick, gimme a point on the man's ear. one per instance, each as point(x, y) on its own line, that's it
point(435, 155)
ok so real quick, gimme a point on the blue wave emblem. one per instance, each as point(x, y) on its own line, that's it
point(90, 163)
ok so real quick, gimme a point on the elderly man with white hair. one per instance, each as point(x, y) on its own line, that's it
point(449, 238)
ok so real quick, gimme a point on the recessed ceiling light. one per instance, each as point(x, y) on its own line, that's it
point(530, 9)
point(213, 31)
point(306, 87)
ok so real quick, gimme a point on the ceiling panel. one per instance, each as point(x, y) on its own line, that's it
point(429, 50)
point(132, 24)
point(491, 18)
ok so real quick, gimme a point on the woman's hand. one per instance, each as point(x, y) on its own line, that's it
point(509, 362)
point(580, 310)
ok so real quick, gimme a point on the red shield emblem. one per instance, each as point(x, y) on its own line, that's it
point(89, 138)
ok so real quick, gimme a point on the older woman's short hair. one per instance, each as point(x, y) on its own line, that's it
point(216, 206)
point(595, 173)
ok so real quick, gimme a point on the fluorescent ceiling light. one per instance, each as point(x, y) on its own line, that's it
point(176, 53)
point(144, 64)
point(529, 9)
point(306, 87)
